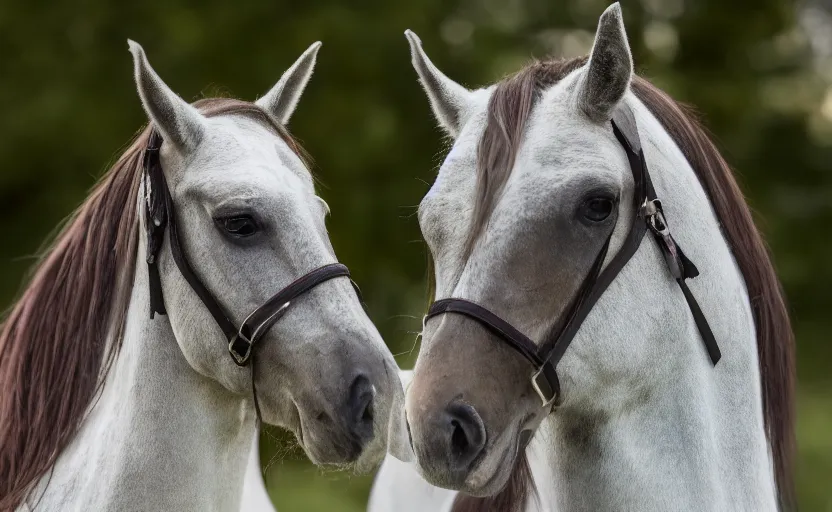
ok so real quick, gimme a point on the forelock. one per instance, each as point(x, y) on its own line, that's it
point(508, 114)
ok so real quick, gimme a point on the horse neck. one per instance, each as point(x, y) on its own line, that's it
point(694, 438)
point(160, 436)
point(682, 451)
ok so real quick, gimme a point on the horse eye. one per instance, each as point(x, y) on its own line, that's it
point(597, 209)
point(240, 226)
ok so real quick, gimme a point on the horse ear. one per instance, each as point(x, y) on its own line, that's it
point(608, 73)
point(179, 123)
point(449, 100)
point(283, 98)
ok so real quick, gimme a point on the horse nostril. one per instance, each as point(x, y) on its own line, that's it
point(360, 410)
point(459, 441)
point(367, 415)
point(466, 435)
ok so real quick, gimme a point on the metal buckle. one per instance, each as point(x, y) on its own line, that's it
point(544, 391)
point(654, 215)
point(240, 359)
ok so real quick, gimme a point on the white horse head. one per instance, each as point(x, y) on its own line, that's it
point(534, 186)
point(172, 426)
point(251, 224)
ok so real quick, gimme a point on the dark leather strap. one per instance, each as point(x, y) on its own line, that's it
point(649, 215)
point(156, 220)
point(184, 266)
point(552, 350)
point(264, 317)
point(545, 380)
point(515, 339)
point(161, 214)
point(701, 324)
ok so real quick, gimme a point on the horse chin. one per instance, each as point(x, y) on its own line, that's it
point(367, 461)
point(327, 449)
point(330, 453)
point(490, 476)
point(370, 457)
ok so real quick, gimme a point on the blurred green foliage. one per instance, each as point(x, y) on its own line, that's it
point(759, 71)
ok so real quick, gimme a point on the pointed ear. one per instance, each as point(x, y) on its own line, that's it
point(608, 73)
point(283, 98)
point(179, 123)
point(449, 100)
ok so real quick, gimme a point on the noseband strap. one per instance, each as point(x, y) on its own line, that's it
point(261, 319)
point(160, 214)
point(649, 216)
point(516, 339)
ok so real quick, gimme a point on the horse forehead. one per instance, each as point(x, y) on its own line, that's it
point(241, 150)
point(558, 138)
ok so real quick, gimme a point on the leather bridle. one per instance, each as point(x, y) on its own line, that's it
point(160, 214)
point(545, 357)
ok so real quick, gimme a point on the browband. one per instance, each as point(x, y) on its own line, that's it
point(649, 217)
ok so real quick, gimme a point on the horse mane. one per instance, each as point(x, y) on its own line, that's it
point(63, 334)
point(508, 111)
point(775, 339)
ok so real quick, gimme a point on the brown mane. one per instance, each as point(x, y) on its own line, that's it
point(54, 342)
point(508, 112)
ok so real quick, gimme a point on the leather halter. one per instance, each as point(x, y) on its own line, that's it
point(649, 217)
point(160, 214)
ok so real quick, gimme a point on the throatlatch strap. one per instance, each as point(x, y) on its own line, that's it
point(701, 324)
